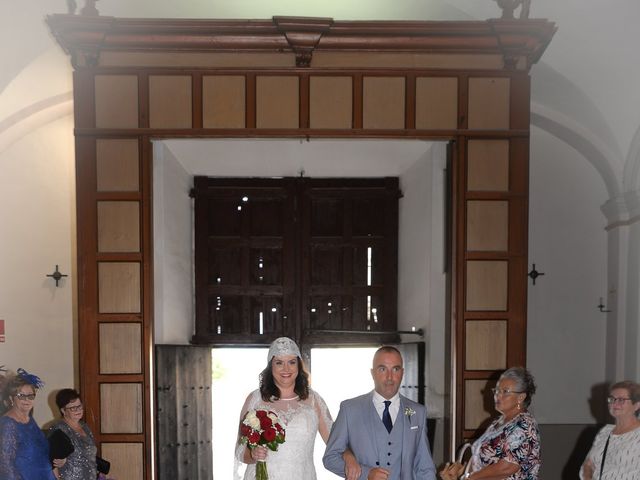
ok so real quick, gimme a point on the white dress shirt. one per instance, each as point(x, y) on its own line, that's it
point(394, 408)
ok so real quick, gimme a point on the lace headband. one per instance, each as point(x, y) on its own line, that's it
point(30, 378)
point(283, 346)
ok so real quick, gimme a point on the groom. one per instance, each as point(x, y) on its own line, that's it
point(386, 431)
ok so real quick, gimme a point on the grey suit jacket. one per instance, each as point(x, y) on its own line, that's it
point(354, 429)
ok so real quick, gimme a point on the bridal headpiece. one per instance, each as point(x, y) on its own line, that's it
point(283, 346)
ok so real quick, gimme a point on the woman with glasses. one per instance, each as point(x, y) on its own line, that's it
point(81, 464)
point(24, 450)
point(510, 447)
point(615, 453)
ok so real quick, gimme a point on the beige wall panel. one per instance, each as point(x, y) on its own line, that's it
point(121, 408)
point(120, 348)
point(436, 103)
point(477, 403)
point(488, 165)
point(119, 287)
point(196, 59)
point(223, 101)
point(383, 102)
point(406, 60)
point(487, 225)
point(117, 166)
point(116, 101)
point(330, 102)
point(118, 227)
point(486, 345)
point(487, 285)
point(489, 103)
point(127, 461)
point(277, 102)
point(169, 101)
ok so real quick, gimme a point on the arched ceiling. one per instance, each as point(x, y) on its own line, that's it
point(588, 73)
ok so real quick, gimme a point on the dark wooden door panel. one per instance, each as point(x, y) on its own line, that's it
point(271, 252)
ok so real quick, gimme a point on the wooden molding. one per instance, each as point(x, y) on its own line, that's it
point(303, 35)
point(85, 37)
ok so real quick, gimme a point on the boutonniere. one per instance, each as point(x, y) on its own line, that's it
point(409, 412)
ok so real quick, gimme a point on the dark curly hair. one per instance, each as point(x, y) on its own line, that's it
point(269, 389)
point(66, 396)
point(524, 382)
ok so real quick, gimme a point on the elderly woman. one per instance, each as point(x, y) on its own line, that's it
point(24, 450)
point(284, 390)
point(81, 464)
point(615, 453)
point(510, 447)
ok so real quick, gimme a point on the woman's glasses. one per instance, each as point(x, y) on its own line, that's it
point(500, 391)
point(26, 396)
point(74, 408)
point(617, 400)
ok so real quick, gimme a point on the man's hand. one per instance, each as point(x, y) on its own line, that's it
point(378, 473)
point(451, 471)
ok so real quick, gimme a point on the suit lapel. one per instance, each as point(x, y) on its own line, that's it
point(372, 417)
point(406, 430)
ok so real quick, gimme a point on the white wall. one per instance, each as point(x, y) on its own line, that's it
point(172, 249)
point(422, 278)
point(567, 241)
point(37, 231)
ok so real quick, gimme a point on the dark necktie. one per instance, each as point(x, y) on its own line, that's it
point(386, 417)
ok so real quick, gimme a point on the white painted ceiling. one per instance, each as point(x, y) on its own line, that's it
point(290, 158)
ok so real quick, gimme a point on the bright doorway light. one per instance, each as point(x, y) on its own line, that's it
point(234, 374)
point(338, 374)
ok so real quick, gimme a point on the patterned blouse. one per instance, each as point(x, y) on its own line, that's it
point(623, 455)
point(516, 441)
point(81, 464)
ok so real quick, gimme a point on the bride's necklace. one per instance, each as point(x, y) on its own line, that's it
point(274, 399)
point(292, 398)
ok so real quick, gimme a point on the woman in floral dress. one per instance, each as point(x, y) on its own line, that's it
point(510, 448)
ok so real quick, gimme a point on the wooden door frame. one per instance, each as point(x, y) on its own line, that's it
point(288, 46)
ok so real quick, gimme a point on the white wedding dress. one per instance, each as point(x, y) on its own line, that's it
point(302, 420)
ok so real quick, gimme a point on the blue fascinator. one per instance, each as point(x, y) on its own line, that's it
point(30, 378)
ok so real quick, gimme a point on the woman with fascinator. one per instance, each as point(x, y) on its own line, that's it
point(24, 450)
point(284, 389)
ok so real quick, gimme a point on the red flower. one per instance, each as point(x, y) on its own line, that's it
point(261, 414)
point(269, 434)
point(253, 437)
point(245, 430)
point(265, 422)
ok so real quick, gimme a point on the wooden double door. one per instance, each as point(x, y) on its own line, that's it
point(313, 259)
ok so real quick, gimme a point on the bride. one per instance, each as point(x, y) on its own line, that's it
point(284, 389)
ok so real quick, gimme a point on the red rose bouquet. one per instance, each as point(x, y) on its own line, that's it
point(261, 427)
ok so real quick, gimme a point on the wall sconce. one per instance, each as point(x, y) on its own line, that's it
point(57, 276)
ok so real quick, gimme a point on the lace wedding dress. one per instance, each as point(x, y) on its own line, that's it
point(302, 420)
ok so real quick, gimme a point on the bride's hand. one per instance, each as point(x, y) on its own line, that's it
point(352, 469)
point(259, 454)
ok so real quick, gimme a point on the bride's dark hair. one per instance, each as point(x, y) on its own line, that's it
point(269, 391)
